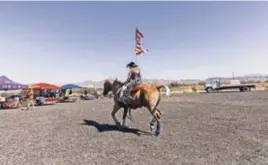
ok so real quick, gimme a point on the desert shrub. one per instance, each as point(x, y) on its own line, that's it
point(243, 82)
point(88, 90)
point(174, 84)
point(226, 82)
point(259, 81)
point(266, 81)
point(201, 83)
point(194, 89)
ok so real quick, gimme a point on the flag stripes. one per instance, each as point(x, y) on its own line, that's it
point(138, 49)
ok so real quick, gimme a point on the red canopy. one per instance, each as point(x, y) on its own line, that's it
point(45, 86)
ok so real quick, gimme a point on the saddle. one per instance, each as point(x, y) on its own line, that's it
point(133, 95)
point(142, 86)
point(136, 88)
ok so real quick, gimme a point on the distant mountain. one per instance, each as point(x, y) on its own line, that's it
point(99, 84)
point(248, 77)
point(90, 83)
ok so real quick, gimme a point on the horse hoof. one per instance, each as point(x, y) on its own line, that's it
point(117, 124)
point(157, 133)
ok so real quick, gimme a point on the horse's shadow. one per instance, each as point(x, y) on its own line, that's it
point(109, 127)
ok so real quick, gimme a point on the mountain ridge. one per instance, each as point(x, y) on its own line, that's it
point(248, 77)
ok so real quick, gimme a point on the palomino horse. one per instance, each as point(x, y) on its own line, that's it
point(143, 95)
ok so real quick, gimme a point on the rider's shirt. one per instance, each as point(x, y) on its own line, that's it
point(135, 73)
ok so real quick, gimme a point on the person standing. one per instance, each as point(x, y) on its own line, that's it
point(30, 99)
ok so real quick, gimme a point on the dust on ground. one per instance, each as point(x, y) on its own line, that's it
point(217, 129)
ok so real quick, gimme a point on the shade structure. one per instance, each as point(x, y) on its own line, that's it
point(7, 84)
point(70, 86)
point(45, 86)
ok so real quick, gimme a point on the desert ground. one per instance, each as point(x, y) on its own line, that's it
point(228, 128)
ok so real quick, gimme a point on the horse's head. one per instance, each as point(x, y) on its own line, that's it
point(107, 86)
point(117, 84)
point(111, 85)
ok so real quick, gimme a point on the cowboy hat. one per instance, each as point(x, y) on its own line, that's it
point(131, 64)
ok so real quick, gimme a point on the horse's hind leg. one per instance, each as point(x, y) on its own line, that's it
point(157, 115)
point(115, 109)
point(152, 123)
point(154, 119)
point(158, 128)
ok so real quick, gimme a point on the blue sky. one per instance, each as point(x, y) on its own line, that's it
point(62, 42)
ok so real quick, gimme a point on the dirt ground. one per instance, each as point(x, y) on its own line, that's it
point(208, 129)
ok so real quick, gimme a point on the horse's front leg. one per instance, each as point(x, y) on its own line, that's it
point(115, 110)
point(125, 116)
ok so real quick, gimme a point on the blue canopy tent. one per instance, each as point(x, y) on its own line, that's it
point(65, 95)
point(70, 86)
point(7, 84)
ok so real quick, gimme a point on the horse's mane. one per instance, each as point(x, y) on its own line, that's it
point(111, 81)
point(118, 82)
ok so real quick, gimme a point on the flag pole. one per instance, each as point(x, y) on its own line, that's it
point(136, 45)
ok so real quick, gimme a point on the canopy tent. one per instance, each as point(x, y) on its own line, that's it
point(7, 84)
point(45, 86)
point(70, 86)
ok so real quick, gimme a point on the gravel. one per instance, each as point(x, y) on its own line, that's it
point(228, 128)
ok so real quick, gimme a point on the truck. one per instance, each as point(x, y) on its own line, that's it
point(215, 85)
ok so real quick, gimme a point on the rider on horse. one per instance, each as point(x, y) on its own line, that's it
point(134, 78)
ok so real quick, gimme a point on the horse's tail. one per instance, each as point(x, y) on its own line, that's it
point(164, 86)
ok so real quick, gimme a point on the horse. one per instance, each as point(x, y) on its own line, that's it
point(143, 95)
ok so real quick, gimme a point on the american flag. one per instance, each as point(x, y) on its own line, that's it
point(139, 50)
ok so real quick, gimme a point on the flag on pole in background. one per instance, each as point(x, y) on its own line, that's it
point(138, 49)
